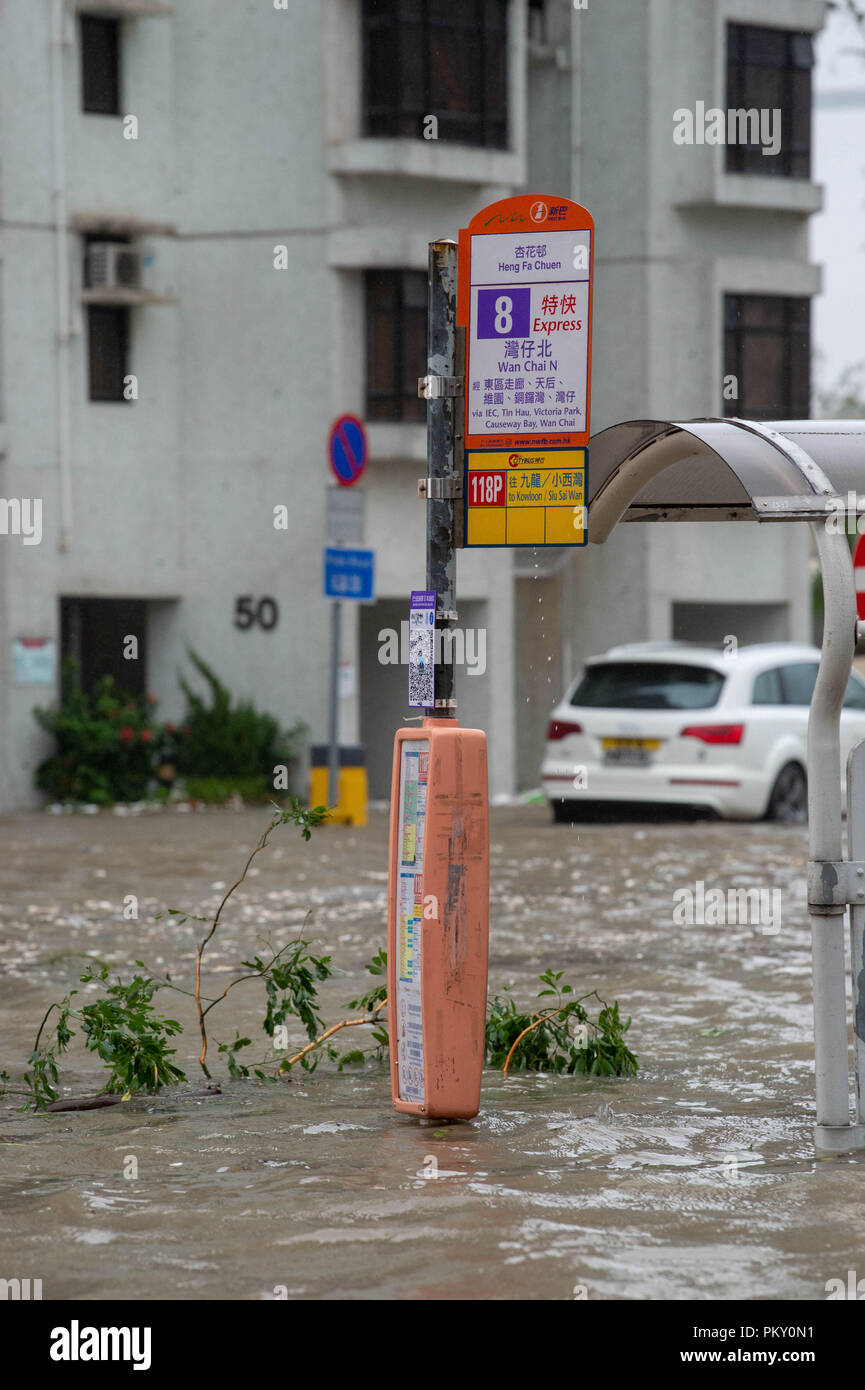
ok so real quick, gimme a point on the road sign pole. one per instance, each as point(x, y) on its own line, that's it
point(444, 415)
point(438, 878)
point(346, 571)
point(333, 751)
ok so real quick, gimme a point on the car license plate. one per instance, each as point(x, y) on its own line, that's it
point(630, 752)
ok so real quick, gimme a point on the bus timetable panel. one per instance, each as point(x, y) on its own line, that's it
point(438, 919)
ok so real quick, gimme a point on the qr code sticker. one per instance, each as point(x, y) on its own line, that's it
point(421, 671)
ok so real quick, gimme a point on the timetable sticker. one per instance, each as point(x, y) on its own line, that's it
point(414, 773)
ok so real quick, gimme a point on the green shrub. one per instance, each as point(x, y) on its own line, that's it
point(561, 1037)
point(221, 739)
point(105, 742)
point(215, 790)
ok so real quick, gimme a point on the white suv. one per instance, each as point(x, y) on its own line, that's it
point(677, 724)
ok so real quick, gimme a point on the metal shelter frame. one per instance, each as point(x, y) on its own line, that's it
point(735, 470)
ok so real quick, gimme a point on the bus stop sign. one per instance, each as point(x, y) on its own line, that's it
point(525, 301)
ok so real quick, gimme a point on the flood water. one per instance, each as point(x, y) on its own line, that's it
point(695, 1180)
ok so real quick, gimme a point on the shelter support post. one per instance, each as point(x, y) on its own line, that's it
point(827, 907)
point(856, 850)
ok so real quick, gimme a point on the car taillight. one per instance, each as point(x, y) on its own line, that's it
point(560, 728)
point(715, 733)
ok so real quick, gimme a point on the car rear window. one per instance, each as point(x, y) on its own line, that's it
point(767, 688)
point(648, 685)
point(798, 681)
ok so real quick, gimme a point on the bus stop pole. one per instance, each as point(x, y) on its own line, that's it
point(831, 1061)
point(333, 729)
point(444, 399)
point(438, 878)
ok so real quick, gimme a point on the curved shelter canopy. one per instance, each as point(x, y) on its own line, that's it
point(735, 470)
point(721, 470)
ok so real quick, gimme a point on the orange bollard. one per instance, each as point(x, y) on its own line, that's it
point(438, 919)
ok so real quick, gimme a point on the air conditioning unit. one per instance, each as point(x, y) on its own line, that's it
point(112, 265)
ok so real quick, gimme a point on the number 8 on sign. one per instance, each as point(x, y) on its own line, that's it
point(504, 320)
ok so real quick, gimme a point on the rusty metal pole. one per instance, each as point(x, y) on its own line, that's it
point(444, 391)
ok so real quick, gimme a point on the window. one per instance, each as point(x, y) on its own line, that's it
point(769, 70)
point(100, 65)
point(798, 682)
point(108, 350)
point(767, 689)
point(767, 348)
point(537, 20)
point(93, 632)
point(442, 58)
point(396, 319)
point(648, 685)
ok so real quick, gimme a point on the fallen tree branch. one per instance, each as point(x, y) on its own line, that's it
point(545, 1018)
point(541, 1018)
point(86, 1102)
point(329, 1032)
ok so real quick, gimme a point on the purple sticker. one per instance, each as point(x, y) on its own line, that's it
point(504, 312)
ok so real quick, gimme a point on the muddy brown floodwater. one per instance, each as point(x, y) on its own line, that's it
point(696, 1180)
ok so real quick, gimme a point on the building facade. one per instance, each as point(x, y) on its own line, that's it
point(213, 239)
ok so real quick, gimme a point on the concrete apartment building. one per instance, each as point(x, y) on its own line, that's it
point(169, 373)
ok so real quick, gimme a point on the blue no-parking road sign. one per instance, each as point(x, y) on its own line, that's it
point(349, 574)
point(346, 449)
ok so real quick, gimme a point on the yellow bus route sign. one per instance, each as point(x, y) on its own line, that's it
point(526, 497)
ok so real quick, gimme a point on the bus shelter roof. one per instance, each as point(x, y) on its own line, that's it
point(722, 470)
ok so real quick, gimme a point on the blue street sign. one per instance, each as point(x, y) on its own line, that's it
point(346, 449)
point(349, 574)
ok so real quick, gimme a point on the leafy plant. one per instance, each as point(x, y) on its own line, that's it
point(371, 1003)
point(122, 1028)
point(236, 1070)
point(224, 739)
point(213, 791)
point(378, 994)
point(105, 742)
point(562, 1038)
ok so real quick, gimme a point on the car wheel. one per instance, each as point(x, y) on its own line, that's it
point(561, 810)
point(789, 800)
